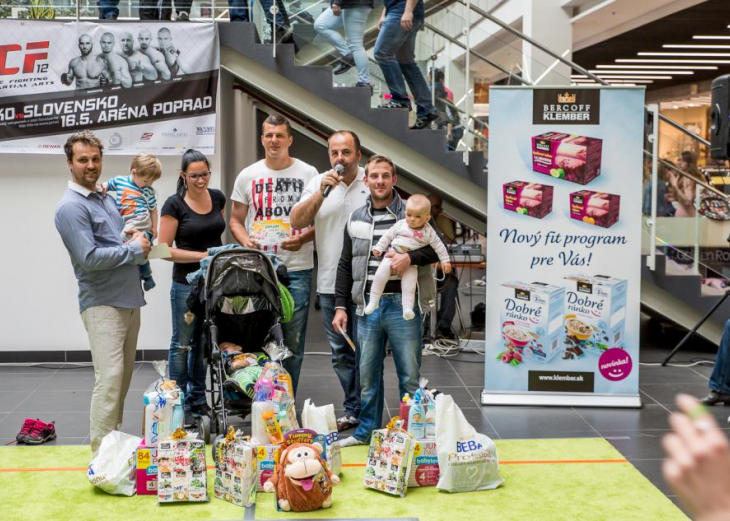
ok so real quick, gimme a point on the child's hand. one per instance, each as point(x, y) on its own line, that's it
point(377, 253)
point(446, 267)
point(154, 233)
point(101, 188)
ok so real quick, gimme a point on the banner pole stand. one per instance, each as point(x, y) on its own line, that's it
point(692, 331)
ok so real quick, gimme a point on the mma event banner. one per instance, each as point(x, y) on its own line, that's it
point(564, 246)
point(141, 87)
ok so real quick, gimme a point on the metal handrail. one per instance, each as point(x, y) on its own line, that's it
point(684, 130)
point(572, 64)
point(475, 53)
point(532, 42)
point(692, 178)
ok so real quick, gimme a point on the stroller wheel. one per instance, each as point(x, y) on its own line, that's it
point(204, 428)
point(219, 425)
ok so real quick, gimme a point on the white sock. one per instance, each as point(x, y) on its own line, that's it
point(372, 305)
point(351, 441)
point(408, 314)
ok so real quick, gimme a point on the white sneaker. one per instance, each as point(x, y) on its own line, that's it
point(408, 314)
point(371, 307)
point(351, 441)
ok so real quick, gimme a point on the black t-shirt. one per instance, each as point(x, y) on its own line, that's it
point(195, 232)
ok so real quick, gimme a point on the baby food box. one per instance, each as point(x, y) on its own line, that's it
point(565, 156)
point(146, 470)
point(425, 466)
point(597, 208)
point(525, 198)
point(531, 317)
point(595, 314)
point(266, 458)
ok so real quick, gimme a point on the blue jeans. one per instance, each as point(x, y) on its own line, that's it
point(108, 8)
point(295, 331)
point(395, 53)
point(353, 20)
point(241, 11)
point(720, 377)
point(345, 361)
point(186, 363)
point(386, 323)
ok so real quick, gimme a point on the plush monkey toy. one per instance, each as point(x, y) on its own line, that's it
point(301, 479)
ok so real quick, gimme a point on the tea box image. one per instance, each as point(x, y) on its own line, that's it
point(595, 314)
point(597, 208)
point(565, 156)
point(531, 317)
point(535, 200)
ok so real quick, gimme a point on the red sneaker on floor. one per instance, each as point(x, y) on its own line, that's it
point(28, 425)
point(41, 433)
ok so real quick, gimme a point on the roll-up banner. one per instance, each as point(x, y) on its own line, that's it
point(141, 87)
point(564, 246)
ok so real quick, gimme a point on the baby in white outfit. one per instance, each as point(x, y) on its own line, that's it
point(408, 234)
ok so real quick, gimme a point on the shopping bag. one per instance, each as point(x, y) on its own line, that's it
point(467, 459)
point(114, 468)
point(322, 421)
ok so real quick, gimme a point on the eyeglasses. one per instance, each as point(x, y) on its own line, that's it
point(195, 177)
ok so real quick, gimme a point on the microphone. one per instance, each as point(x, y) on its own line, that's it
point(327, 189)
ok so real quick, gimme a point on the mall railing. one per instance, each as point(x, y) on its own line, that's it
point(685, 214)
point(450, 28)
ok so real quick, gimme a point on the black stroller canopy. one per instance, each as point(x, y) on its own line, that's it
point(242, 273)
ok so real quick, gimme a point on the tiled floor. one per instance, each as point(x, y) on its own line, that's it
point(62, 393)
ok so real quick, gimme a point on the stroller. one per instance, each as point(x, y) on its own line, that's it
point(248, 279)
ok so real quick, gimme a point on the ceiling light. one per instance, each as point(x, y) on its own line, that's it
point(704, 67)
point(601, 72)
point(586, 81)
point(629, 76)
point(710, 37)
point(694, 46)
point(686, 54)
point(646, 60)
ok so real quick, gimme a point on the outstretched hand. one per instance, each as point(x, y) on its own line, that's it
point(698, 462)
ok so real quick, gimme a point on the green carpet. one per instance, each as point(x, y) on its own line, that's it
point(536, 486)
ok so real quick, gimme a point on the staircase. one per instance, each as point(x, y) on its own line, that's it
point(308, 90)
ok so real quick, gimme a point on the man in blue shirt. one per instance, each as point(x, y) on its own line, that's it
point(110, 295)
point(395, 53)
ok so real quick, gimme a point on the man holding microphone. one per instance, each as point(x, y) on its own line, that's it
point(327, 202)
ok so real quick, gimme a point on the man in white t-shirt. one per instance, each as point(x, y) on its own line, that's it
point(263, 197)
point(329, 216)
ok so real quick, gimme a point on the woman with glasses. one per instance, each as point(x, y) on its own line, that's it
point(191, 222)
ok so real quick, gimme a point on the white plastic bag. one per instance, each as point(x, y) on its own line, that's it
point(114, 469)
point(467, 459)
point(322, 421)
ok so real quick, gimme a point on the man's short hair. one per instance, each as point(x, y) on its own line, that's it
point(377, 158)
point(86, 137)
point(355, 139)
point(147, 166)
point(277, 120)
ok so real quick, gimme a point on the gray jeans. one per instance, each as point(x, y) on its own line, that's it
point(113, 340)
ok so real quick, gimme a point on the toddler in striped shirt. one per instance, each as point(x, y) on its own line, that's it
point(137, 203)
